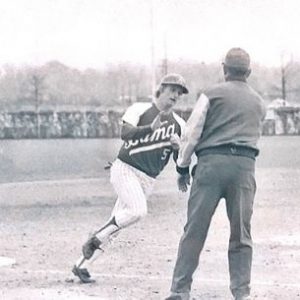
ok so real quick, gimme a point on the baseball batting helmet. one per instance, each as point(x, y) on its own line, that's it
point(174, 79)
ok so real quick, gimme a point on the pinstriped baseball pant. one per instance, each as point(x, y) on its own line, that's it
point(132, 187)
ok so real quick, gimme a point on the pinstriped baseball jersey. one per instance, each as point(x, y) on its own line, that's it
point(151, 152)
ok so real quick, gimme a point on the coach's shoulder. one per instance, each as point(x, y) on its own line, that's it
point(215, 89)
point(218, 90)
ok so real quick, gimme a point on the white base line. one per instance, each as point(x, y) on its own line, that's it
point(162, 278)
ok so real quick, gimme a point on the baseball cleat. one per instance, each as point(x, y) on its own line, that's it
point(91, 245)
point(83, 275)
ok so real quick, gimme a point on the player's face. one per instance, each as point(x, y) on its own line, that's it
point(169, 96)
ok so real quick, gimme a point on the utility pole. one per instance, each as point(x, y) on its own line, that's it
point(153, 75)
point(285, 66)
point(37, 82)
point(165, 60)
point(283, 83)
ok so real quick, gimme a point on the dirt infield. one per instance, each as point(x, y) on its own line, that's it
point(43, 224)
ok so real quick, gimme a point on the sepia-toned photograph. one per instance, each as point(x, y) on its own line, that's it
point(149, 150)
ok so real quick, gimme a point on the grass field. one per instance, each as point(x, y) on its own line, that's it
point(26, 160)
point(54, 192)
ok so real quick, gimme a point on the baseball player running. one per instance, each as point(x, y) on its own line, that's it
point(150, 132)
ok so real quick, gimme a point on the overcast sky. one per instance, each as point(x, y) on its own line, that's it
point(94, 33)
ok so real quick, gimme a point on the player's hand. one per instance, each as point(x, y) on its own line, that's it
point(183, 181)
point(157, 122)
point(175, 141)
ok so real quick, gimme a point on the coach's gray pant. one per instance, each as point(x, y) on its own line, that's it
point(219, 176)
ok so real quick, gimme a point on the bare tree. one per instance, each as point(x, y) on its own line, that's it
point(37, 84)
point(286, 73)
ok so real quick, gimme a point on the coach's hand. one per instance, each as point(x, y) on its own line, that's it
point(183, 180)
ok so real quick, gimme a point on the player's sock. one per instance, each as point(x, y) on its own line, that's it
point(107, 230)
point(88, 262)
point(103, 235)
point(80, 261)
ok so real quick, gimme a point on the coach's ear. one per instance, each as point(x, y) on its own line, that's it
point(248, 73)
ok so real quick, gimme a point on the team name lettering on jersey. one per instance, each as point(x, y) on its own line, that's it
point(159, 134)
point(149, 152)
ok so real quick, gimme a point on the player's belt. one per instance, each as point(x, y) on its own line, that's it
point(229, 150)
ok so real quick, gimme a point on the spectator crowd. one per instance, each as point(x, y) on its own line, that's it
point(106, 123)
point(52, 124)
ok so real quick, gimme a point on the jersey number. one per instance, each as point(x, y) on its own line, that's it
point(165, 154)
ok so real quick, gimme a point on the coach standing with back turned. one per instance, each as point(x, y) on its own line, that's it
point(223, 131)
